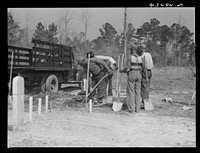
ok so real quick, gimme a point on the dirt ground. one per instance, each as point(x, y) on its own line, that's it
point(70, 123)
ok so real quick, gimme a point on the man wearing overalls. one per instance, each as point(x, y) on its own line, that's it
point(133, 69)
point(146, 74)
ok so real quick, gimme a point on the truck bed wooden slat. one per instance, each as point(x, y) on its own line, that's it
point(41, 50)
point(66, 53)
point(20, 55)
point(19, 48)
point(42, 56)
point(41, 68)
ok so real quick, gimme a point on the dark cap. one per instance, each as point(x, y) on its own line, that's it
point(140, 50)
point(91, 54)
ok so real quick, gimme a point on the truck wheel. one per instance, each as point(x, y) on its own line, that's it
point(52, 83)
point(43, 84)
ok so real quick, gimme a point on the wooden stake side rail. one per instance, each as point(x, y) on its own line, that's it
point(41, 68)
point(43, 55)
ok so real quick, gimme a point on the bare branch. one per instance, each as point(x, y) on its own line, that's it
point(85, 17)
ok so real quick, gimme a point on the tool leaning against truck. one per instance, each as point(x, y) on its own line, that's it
point(47, 65)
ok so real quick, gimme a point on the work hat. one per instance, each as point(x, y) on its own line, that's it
point(80, 59)
point(91, 54)
point(140, 50)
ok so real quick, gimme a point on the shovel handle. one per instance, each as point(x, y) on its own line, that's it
point(11, 72)
point(88, 94)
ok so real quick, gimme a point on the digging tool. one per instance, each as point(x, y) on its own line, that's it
point(192, 69)
point(87, 86)
point(148, 105)
point(116, 104)
point(188, 107)
point(120, 76)
point(92, 90)
point(147, 102)
point(9, 92)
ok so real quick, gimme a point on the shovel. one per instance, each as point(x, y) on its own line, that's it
point(9, 92)
point(188, 107)
point(92, 90)
point(117, 106)
point(148, 105)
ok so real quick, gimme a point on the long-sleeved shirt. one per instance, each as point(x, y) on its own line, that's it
point(107, 58)
point(148, 60)
point(94, 67)
point(100, 62)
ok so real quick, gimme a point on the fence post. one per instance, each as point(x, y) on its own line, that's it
point(90, 105)
point(39, 106)
point(18, 101)
point(30, 108)
point(46, 103)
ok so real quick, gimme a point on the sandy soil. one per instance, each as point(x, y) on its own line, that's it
point(71, 125)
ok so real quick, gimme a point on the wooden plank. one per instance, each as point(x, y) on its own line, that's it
point(20, 56)
point(42, 56)
point(40, 42)
point(19, 48)
point(41, 50)
point(21, 64)
point(66, 59)
point(57, 65)
point(42, 64)
point(67, 48)
point(66, 53)
point(45, 43)
point(56, 50)
point(66, 65)
point(25, 53)
point(22, 60)
point(58, 59)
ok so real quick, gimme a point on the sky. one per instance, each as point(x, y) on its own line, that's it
point(114, 16)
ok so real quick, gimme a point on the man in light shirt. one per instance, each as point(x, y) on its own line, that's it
point(146, 74)
point(112, 65)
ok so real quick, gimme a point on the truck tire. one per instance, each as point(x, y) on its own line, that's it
point(43, 84)
point(52, 84)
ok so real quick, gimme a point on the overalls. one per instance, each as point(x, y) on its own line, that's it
point(134, 84)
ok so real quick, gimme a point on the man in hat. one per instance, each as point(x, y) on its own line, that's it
point(97, 74)
point(146, 74)
point(133, 68)
point(112, 65)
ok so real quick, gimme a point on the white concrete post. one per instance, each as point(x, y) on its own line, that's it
point(30, 108)
point(39, 106)
point(84, 84)
point(18, 101)
point(90, 105)
point(46, 103)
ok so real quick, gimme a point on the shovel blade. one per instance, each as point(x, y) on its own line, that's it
point(148, 105)
point(117, 106)
point(187, 108)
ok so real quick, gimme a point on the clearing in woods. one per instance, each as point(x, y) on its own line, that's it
point(71, 125)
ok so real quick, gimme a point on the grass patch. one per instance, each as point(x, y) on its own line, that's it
point(166, 79)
